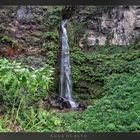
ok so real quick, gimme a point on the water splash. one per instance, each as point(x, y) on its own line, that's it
point(65, 77)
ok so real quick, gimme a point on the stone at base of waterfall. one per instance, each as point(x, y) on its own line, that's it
point(65, 103)
point(62, 103)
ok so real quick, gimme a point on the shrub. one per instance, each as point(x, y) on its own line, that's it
point(21, 86)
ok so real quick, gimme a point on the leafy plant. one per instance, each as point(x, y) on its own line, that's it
point(8, 39)
point(52, 36)
point(22, 86)
point(53, 20)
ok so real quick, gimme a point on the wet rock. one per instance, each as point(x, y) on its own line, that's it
point(62, 103)
point(67, 12)
point(81, 107)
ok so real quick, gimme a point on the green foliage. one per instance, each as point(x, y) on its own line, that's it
point(136, 42)
point(109, 38)
point(110, 72)
point(52, 36)
point(75, 30)
point(107, 77)
point(39, 120)
point(53, 19)
point(8, 39)
point(22, 89)
point(21, 86)
point(4, 122)
point(117, 111)
point(90, 69)
point(32, 120)
point(114, 73)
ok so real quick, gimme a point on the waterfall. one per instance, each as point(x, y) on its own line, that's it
point(65, 74)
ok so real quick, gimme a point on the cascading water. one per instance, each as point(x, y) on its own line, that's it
point(65, 74)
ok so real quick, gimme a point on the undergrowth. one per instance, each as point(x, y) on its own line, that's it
point(110, 79)
point(21, 92)
point(119, 109)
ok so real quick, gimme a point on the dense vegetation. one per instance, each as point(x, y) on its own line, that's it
point(104, 77)
point(118, 109)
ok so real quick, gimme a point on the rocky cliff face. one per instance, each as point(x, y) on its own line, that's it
point(116, 25)
point(23, 23)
